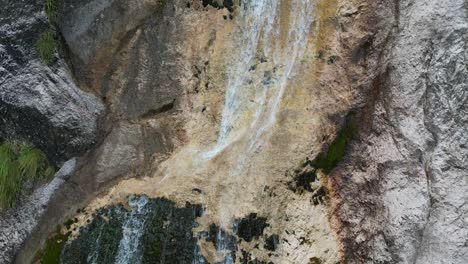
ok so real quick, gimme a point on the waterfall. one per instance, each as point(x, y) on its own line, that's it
point(133, 228)
point(251, 103)
point(268, 41)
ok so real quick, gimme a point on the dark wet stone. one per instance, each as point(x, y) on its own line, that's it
point(228, 4)
point(101, 236)
point(247, 259)
point(271, 243)
point(167, 235)
point(303, 180)
point(250, 227)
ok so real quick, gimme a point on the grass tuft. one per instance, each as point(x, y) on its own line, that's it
point(45, 46)
point(20, 163)
point(31, 163)
point(51, 9)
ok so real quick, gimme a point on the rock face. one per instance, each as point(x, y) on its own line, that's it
point(116, 46)
point(38, 103)
point(308, 131)
point(401, 194)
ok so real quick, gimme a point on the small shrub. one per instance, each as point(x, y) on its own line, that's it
point(20, 163)
point(45, 46)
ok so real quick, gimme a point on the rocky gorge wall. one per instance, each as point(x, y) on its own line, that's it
point(292, 131)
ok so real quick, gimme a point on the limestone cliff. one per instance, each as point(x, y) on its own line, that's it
point(240, 131)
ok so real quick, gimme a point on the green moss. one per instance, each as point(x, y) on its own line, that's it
point(315, 260)
point(336, 151)
point(19, 163)
point(45, 46)
point(168, 235)
point(53, 248)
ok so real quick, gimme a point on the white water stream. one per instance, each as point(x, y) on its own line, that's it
point(251, 107)
point(133, 229)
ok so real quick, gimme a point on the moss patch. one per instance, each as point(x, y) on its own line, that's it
point(45, 44)
point(166, 236)
point(325, 161)
point(53, 248)
point(99, 240)
point(336, 151)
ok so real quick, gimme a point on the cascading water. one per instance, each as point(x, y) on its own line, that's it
point(269, 38)
point(250, 107)
point(133, 228)
point(265, 35)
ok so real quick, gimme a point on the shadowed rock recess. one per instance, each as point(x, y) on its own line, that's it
point(237, 131)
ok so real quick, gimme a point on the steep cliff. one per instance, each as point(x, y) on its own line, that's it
point(288, 131)
point(400, 195)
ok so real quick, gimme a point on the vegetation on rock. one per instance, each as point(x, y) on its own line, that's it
point(336, 151)
point(19, 163)
point(53, 249)
point(325, 161)
point(51, 9)
point(45, 46)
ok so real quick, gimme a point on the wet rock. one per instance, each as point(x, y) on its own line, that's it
point(247, 259)
point(250, 227)
point(271, 243)
point(221, 239)
point(228, 4)
point(153, 231)
point(168, 235)
point(99, 241)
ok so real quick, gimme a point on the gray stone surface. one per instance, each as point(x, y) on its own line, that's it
point(39, 103)
point(125, 51)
